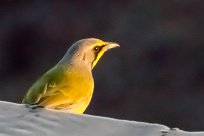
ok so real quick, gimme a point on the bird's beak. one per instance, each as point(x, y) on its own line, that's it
point(110, 45)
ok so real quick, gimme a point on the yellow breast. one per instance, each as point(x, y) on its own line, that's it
point(77, 89)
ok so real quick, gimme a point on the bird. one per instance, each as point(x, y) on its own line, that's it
point(69, 85)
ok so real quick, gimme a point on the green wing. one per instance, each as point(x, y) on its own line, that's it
point(45, 85)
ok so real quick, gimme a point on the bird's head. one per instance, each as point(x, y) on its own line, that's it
point(88, 51)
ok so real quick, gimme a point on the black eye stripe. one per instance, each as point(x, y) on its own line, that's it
point(98, 48)
point(96, 52)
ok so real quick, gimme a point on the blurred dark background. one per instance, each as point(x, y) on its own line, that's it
point(157, 75)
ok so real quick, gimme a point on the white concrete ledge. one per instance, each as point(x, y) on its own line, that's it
point(17, 120)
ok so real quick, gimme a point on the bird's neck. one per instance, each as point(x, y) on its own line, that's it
point(75, 60)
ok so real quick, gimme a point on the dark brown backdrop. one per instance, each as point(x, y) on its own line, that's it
point(156, 76)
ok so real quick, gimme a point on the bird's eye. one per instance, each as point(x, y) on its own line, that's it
point(96, 49)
